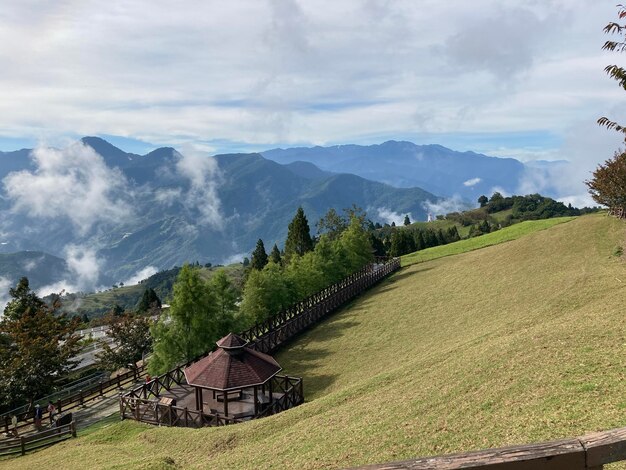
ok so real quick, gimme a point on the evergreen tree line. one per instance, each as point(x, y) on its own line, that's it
point(406, 240)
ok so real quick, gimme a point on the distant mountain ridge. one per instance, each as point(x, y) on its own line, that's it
point(246, 197)
point(435, 168)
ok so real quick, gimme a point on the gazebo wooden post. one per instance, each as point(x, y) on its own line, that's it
point(201, 407)
point(256, 401)
point(270, 387)
point(225, 403)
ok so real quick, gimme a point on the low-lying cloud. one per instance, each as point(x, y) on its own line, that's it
point(388, 216)
point(5, 285)
point(445, 206)
point(84, 267)
point(140, 275)
point(72, 183)
point(202, 172)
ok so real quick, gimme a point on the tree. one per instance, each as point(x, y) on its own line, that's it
point(608, 185)
point(266, 293)
point(225, 301)
point(23, 300)
point(189, 328)
point(148, 300)
point(275, 255)
point(483, 200)
point(259, 256)
point(298, 236)
point(37, 344)
point(614, 71)
point(131, 341)
point(407, 221)
point(332, 224)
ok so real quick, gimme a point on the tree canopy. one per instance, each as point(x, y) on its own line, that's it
point(299, 239)
point(37, 346)
point(259, 256)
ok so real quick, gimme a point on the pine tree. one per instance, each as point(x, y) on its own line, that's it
point(407, 221)
point(148, 299)
point(259, 256)
point(275, 255)
point(298, 236)
point(24, 300)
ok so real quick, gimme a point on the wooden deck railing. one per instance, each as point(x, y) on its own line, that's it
point(23, 444)
point(589, 452)
point(76, 399)
point(149, 410)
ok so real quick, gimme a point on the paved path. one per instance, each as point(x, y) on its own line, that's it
point(91, 412)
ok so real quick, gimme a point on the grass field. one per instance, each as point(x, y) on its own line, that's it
point(462, 246)
point(518, 342)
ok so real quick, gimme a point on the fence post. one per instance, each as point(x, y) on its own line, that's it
point(23, 445)
point(73, 428)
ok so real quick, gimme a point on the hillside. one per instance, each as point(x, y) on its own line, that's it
point(41, 268)
point(513, 343)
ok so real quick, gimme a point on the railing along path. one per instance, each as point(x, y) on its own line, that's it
point(23, 444)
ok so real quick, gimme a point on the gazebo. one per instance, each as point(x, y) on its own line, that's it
point(238, 377)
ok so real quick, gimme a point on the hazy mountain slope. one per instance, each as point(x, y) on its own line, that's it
point(433, 167)
point(41, 268)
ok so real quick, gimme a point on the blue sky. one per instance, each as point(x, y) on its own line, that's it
point(517, 79)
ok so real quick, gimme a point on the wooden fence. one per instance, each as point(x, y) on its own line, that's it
point(21, 445)
point(589, 452)
point(266, 337)
point(270, 334)
point(148, 410)
point(77, 399)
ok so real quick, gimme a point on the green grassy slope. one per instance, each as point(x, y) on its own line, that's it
point(462, 246)
point(513, 343)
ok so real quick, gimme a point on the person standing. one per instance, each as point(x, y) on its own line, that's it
point(38, 417)
point(52, 410)
point(14, 425)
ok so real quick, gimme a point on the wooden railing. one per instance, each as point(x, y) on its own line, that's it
point(149, 410)
point(589, 452)
point(23, 444)
point(76, 399)
point(272, 333)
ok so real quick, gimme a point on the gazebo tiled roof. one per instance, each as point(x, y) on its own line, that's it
point(232, 366)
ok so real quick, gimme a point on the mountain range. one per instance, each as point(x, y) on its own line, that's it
point(435, 168)
point(111, 214)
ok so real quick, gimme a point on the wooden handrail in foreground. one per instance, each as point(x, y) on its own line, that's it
point(589, 452)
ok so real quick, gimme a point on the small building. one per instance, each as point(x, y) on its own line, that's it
point(234, 381)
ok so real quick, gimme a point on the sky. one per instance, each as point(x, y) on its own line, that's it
point(522, 79)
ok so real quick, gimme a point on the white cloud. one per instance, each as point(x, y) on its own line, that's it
point(236, 258)
point(472, 182)
point(84, 271)
point(387, 216)
point(140, 275)
point(297, 71)
point(5, 285)
point(72, 183)
point(445, 206)
point(202, 172)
